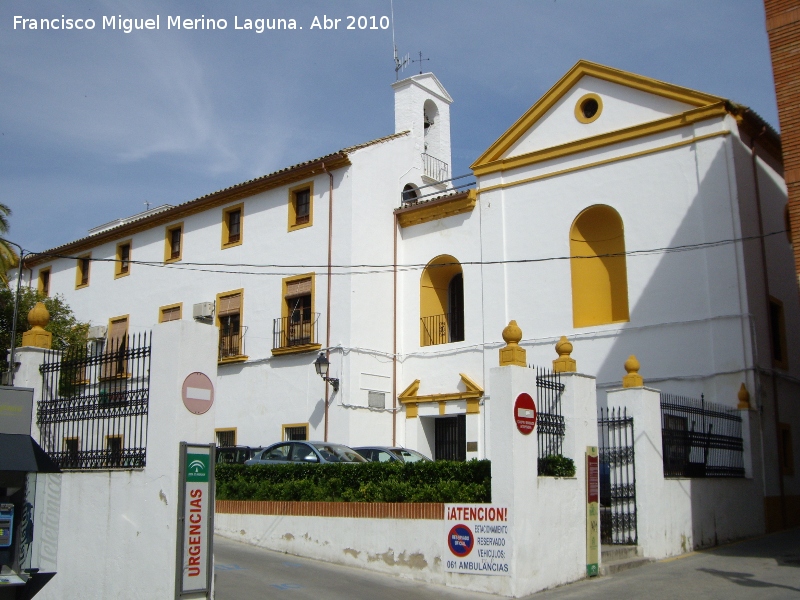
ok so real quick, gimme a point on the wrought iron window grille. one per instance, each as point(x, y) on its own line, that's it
point(94, 405)
point(700, 439)
point(550, 424)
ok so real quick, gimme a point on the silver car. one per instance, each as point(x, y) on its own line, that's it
point(390, 454)
point(284, 453)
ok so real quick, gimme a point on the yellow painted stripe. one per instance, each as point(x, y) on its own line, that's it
point(603, 162)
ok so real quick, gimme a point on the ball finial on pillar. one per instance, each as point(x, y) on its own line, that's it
point(513, 353)
point(564, 363)
point(744, 398)
point(632, 379)
point(36, 336)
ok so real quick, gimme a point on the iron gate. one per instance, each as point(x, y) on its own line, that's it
point(617, 477)
point(451, 438)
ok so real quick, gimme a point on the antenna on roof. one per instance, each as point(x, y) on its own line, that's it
point(420, 62)
point(399, 64)
point(146, 206)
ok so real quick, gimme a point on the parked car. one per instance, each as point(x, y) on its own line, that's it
point(236, 454)
point(388, 454)
point(306, 452)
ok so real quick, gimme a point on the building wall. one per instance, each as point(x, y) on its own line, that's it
point(783, 28)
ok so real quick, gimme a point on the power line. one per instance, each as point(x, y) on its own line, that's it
point(379, 268)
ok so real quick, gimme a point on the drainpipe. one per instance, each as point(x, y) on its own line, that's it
point(328, 308)
point(776, 409)
point(394, 337)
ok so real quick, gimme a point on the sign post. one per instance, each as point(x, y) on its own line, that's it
point(592, 511)
point(195, 520)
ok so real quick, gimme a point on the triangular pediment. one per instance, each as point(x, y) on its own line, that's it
point(627, 106)
point(428, 82)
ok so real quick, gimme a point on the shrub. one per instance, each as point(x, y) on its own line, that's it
point(555, 465)
point(438, 481)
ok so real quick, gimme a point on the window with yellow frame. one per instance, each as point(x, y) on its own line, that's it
point(44, 281)
point(294, 432)
point(301, 206)
point(122, 266)
point(173, 243)
point(82, 271)
point(170, 312)
point(232, 226)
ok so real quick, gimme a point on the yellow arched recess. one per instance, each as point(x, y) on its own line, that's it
point(433, 289)
point(599, 282)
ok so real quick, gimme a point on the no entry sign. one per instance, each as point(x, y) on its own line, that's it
point(197, 393)
point(525, 413)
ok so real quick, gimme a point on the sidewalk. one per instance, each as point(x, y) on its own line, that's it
point(764, 568)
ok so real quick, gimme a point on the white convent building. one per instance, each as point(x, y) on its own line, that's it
point(407, 282)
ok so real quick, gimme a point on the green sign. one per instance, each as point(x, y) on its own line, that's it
point(197, 467)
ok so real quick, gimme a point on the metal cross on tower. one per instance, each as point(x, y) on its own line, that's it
point(420, 62)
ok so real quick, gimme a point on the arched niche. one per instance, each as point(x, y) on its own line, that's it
point(598, 268)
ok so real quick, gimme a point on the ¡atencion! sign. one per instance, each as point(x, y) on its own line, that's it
point(478, 539)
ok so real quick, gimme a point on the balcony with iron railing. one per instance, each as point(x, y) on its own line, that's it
point(441, 329)
point(231, 344)
point(296, 333)
point(435, 169)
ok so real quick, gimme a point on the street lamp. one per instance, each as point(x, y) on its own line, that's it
point(321, 365)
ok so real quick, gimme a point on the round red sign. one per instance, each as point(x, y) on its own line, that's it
point(197, 393)
point(525, 413)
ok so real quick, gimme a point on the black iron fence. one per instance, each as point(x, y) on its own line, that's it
point(94, 404)
point(700, 439)
point(617, 477)
point(296, 330)
point(231, 342)
point(550, 426)
point(442, 329)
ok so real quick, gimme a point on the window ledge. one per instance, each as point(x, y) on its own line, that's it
point(296, 349)
point(114, 377)
point(232, 359)
point(227, 245)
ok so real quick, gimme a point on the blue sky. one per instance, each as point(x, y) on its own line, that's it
point(95, 123)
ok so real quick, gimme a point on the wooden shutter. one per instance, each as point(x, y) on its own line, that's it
point(299, 287)
point(117, 334)
point(229, 305)
point(171, 314)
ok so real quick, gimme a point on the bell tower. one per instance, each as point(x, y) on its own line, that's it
point(422, 106)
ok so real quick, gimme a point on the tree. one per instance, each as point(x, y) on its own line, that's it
point(66, 329)
point(8, 258)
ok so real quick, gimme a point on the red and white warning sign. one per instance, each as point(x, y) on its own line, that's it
point(197, 393)
point(478, 539)
point(525, 413)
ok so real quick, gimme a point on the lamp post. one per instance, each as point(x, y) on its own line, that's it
point(321, 366)
point(16, 311)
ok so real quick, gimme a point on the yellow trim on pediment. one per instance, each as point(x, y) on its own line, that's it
point(411, 400)
point(490, 161)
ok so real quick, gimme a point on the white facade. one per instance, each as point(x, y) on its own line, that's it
point(674, 164)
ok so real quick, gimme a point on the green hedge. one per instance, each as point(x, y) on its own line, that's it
point(437, 481)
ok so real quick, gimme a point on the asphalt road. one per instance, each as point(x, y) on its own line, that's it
point(763, 568)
